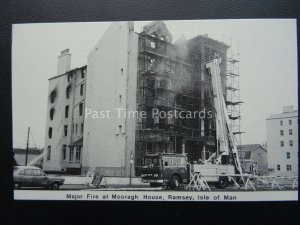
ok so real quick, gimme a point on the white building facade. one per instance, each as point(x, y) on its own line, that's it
point(282, 142)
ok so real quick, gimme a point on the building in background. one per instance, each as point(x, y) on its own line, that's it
point(282, 142)
point(132, 72)
point(254, 155)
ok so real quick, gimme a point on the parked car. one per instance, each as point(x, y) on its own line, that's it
point(31, 176)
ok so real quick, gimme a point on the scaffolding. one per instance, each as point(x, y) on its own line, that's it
point(233, 95)
point(173, 78)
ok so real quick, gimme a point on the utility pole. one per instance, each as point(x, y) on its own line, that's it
point(27, 146)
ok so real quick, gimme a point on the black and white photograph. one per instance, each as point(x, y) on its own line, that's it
point(163, 110)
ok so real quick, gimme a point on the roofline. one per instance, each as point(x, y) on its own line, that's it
point(283, 117)
point(60, 75)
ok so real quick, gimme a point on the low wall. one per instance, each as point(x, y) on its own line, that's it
point(109, 180)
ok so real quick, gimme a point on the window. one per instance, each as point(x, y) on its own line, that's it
point(83, 73)
point(288, 167)
point(78, 154)
point(66, 130)
point(37, 173)
point(282, 143)
point(71, 154)
point(290, 122)
point(51, 114)
point(290, 131)
point(81, 128)
point(281, 132)
point(152, 44)
point(181, 162)
point(49, 153)
point(149, 148)
point(81, 89)
point(50, 132)
point(278, 167)
point(291, 143)
point(52, 96)
point(69, 77)
point(120, 98)
point(120, 129)
point(281, 122)
point(80, 109)
point(174, 162)
point(73, 130)
point(288, 155)
point(68, 91)
point(64, 152)
point(76, 128)
point(166, 162)
point(28, 172)
point(66, 111)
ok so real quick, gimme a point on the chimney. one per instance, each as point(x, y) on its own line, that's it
point(64, 62)
point(287, 109)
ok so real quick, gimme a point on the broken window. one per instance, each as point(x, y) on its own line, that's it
point(51, 113)
point(152, 44)
point(50, 132)
point(52, 96)
point(81, 89)
point(167, 68)
point(69, 77)
point(66, 130)
point(66, 111)
point(149, 149)
point(83, 71)
point(80, 109)
point(68, 91)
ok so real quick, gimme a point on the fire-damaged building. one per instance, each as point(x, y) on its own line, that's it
point(142, 72)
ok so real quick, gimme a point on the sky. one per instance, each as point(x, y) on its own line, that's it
point(267, 52)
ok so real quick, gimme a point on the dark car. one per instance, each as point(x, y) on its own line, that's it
point(31, 176)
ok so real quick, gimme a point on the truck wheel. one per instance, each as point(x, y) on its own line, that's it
point(223, 183)
point(55, 186)
point(175, 182)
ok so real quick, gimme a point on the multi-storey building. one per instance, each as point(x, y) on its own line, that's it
point(282, 143)
point(65, 117)
point(136, 73)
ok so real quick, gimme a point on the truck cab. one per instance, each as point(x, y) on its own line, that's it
point(165, 169)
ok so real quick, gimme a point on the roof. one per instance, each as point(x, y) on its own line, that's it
point(64, 74)
point(283, 115)
point(77, 143)
point(210, 40)
point(251, 147)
